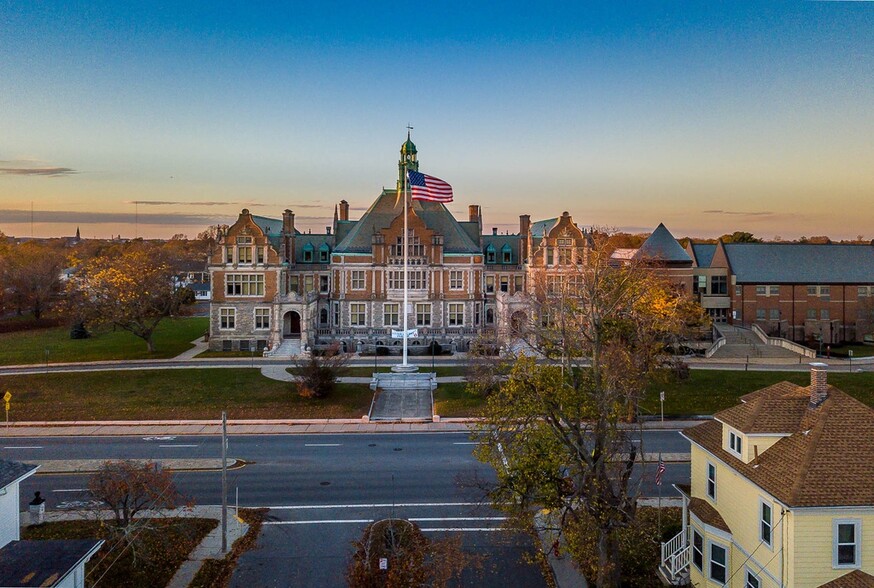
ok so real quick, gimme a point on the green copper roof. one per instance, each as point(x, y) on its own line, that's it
point(408, 146)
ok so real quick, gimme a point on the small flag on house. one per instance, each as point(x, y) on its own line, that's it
point(425, 187)
point(659, 471)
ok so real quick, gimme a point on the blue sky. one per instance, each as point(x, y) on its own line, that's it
point(708, 116)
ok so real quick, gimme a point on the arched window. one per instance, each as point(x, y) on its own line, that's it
point(490, 316)
point(323, 316)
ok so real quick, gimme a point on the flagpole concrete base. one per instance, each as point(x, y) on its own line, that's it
point(403, 368)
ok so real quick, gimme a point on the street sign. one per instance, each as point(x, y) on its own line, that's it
point(662, 396)
point(850, 351)
point(383, 563)
point(8, 396)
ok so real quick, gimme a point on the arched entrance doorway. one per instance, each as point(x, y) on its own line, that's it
point(291, 325)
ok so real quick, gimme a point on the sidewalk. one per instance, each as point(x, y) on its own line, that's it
point(258, 427)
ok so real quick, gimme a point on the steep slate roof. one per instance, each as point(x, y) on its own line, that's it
point(44, 562)
point(499, 242)
point(855, 579)
point(472, 229)
point(826, 459)
point(541, 228)
point(703, 253)
point(343, 228)
point(662, 246)
point(271, 226)
point(314, 240)
point(10, 471)
point(801, 263)
point(384, 210)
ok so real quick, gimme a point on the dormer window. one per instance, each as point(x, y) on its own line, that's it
point(735, 443)
point(506, 254)
point(308, 253)
point(324, 253)
point(490, 254)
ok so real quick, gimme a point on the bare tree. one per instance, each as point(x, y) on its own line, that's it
point(31, 272)
point(128, 487)
point(557, 430)
point(317, 374)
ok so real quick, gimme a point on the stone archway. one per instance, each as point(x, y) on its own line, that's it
point(291, 325)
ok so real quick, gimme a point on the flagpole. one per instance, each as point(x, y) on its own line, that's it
point(660, 498)
point(406, 259)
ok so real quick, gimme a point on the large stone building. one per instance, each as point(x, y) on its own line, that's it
point(273, 284)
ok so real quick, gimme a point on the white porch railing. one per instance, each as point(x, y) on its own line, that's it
point(676, 556)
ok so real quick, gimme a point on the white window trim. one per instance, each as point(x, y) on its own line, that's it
point(352, 280)
point(769, 504)
point(748, 573)
point(232, 313)
point(694, 532)
point(739, 441)
point(355, 313)
point(710, 543)
point(858, 536)
point(255, 318)
point(707, 481)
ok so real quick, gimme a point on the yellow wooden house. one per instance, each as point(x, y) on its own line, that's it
point(782, 493)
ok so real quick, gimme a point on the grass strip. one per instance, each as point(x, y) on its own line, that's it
point(216, 573)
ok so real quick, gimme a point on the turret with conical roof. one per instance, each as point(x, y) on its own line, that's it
point(409, 159)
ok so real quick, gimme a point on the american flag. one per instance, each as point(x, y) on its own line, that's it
point(659, 471)
point(425, 187)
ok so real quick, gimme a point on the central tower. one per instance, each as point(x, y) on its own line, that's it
point(408, 159)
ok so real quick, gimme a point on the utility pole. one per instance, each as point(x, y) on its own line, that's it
point(224, 482)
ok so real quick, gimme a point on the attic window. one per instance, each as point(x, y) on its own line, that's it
point(308, 253)
point(735, 443)
point(490, 254)
point(324, 252)
point(507, 254)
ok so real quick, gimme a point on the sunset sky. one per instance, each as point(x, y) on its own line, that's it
point(710, 116)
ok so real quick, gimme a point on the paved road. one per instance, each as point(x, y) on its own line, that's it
point(322, 490)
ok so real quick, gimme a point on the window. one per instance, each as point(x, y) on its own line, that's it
point(862, 291)
point(336, 314)
point(518, 285)
point(244, 240)
point(390, 314)
point(760, 314)
point(698, 550)
point(416, 280)
point(456, 314)
point(490, 284)
point(229, 255)
point(477, 311)
point(262, 318)
point(456, 280)
point(773, 290)
point(775, 314)
point(699, 286)
point(307, 283)
point(825, 292)
point(846, 543)
point(718, 562)
point(413, 243)
point(227, 318)
point(490, 316)
point(323, 316)
point(811, 290)
point(752, 580)
point(490, 254)
point(358, 280)
point(324, 285)
point(323, 254)
point(423, 314)
point(811, 313)
point(244, 255)
point(711, 481)
point(357, 314)
point(245, 284)
point(505, 283)
point(261, 251)
point(766, 524)
point(506, 254)
point(735, 442)
point(293, 284)
point(244, 345)
point(823, 314)
point(227, 345)
point(761, 290)
point(719, 285)
point(308, 255)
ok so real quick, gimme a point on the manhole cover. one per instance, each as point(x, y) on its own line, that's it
point(371, 444)
point(324, 483)
point(399, 449)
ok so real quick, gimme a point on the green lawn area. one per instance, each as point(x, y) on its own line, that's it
point(709, 391)
point(172, 337)
point(858, 350)
point(173, 394)
point(453, 400)
point(161, 549)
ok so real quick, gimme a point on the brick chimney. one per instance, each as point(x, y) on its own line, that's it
point(524, 231)
point(288, 222)
point(473, 213)
point(344, 210)
point(818, 384)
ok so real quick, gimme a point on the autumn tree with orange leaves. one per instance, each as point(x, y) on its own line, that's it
point(132, 290)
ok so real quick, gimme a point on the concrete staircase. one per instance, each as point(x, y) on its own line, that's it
point(742, 343)
point(287, 349)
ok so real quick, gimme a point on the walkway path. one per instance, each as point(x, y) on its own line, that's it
point(199, 347)
point(742, 343)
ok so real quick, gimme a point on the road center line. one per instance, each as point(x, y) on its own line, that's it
point(177, 445)
point(23, 447)
point(324, 522)
point(466, 443)
point(386, 505)
point(463, 529)
point(322, 444)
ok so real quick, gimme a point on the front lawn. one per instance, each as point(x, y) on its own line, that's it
point(162, 546)
point(173, 394)
point(453, 400)
point(172, 337)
